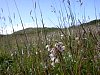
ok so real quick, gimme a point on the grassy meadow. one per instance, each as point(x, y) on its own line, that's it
point(73, 50)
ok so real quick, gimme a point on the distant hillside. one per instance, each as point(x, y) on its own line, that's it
point(92, 24)
point(34, 30)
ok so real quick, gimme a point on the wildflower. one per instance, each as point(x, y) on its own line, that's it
point(40, 51)
point(78, 41)
point(69, 55)
point(22, 51)
point(15, 52)
point(77, 38)
point(30, 70)
point(8, 68)
point(48, 39)
point(53, 64)
point(52, 55)
point(56, 60)
point(53, 52)
point(62, 48)
point(85, 38)
point(12, 54)
point(45, 66)
point(62, 36)
point(48, 47)
point(36, 53)
point(52, 58)
point(59, 46)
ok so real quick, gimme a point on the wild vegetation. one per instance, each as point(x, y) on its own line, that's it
point(73, 50)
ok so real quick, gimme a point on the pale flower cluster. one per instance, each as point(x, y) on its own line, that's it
point(53, 52)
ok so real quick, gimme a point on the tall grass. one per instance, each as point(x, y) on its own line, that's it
point(30, 54)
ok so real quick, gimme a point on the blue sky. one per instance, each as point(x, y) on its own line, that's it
point(47, 7)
